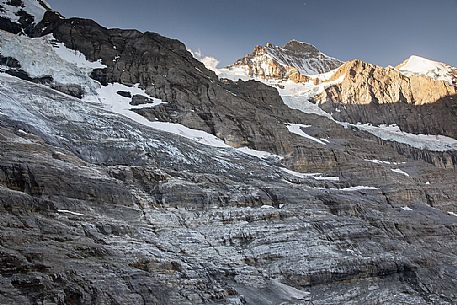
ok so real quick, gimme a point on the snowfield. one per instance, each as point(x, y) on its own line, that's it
point(66, 67)
point(422, 66)
point(32, 7)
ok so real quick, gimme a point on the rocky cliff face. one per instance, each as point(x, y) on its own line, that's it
point(376, 95)
point(364, 83)
point(107, 195)
point(295, 61)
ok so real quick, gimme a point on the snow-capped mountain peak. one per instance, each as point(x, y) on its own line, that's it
point(295, 60)
point(423, 66)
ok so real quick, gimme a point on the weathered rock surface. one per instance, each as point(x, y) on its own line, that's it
point(130, 215)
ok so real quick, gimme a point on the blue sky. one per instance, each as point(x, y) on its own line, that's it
point(382, 32)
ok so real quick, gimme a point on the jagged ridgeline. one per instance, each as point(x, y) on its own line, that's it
point(132, 174)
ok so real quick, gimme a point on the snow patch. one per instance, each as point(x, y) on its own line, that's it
point(399, 171)
point(70, 212)
point(382, 162)
point(258, 153)
point(113, 102)
point(351, 189)
point(316, 176)
point(297, 129)
point(420, 141)
point(405, 208)
point(357, 188)
point(75, 57)
point(267, 207)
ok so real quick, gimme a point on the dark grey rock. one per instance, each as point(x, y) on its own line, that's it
point(131, 215)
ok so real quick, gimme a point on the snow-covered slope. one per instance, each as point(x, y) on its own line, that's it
point(13, 10)
point(434, 69)
point(44, 57)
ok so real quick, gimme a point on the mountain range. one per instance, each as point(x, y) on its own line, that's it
point(131, 173)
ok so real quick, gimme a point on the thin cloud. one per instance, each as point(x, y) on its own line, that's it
point(210, 63)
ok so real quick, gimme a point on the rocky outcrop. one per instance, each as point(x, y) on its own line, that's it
point(376, 95)
point(295, 61)
point(364, 83)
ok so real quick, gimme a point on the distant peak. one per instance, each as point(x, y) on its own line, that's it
point(299, 46)
point(416, 61)
point(420, 59)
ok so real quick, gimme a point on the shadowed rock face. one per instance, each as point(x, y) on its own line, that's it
point(410, 118)
point(97, 209)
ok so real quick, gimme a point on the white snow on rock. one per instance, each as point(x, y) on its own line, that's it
point(357, 188)
point(75, 57)
point(302, 57)
point(258, 153)
point(70, 212)
point(422, 66)
point(267, 207)
point(399, 171)
point(316, 176)
point(297, 129)
point(32, 7)
point(375, 161)
point(350, 189)
point(405, 208)
point(421, 141)
point(323, 178)
point(38, 57)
